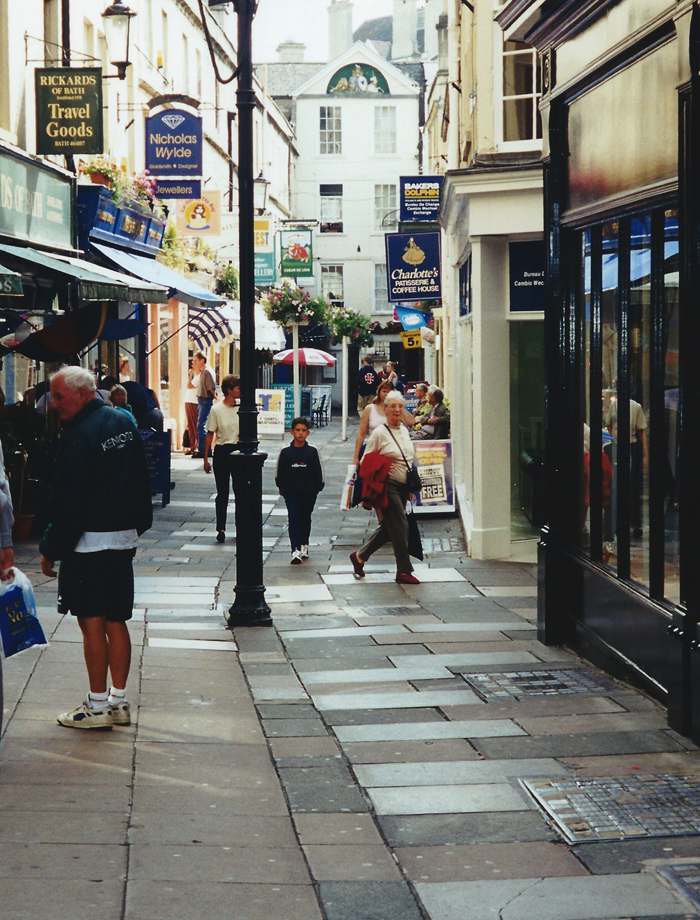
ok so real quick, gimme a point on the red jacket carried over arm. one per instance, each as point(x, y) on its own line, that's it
point(374, 471)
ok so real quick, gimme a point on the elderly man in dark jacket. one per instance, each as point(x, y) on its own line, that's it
point(100, 505)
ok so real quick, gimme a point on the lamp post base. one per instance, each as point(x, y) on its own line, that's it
point(249, 608)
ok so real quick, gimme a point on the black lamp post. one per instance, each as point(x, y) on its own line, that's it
point(249, 607)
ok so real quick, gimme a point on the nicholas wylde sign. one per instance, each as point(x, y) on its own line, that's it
point(68, 110)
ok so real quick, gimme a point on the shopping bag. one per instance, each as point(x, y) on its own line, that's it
point(348, 489)
point(415, 545)
point(19, 627)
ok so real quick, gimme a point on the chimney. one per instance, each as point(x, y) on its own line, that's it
point(405, 30)
point(339, 28)
point(433, 11)
point(442, 33)
point(291, 52)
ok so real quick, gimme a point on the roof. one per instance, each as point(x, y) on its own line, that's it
point(414, 72)
point(283, 79)
point(375, 30)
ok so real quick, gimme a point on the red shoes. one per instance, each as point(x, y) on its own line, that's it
point(357, 565)
point(405, 578)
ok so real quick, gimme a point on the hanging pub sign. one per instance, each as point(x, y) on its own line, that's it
point(296, 259)
point(527, 260)
point(179, 188)
point(68, 110)
point(265, 266)
point(413, 266)
point(201, 217)
point(420, 197)
point(174, 143)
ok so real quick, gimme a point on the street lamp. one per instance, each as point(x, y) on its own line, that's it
point(117, 25)
point(260, 193)
point(249, 608)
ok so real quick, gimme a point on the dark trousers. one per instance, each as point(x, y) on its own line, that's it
point(223, 477)
point(300, 506)
point(192, 411)
point(393, 529)
point(204, 404)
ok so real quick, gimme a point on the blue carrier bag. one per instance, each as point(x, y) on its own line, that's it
point(19, 627)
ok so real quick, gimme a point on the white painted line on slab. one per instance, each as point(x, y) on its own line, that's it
point(195, 645)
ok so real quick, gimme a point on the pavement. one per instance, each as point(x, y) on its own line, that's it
point(362, 760)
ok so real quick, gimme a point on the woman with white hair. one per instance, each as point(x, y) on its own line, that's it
point(392, 441)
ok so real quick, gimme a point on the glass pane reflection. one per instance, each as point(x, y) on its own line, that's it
point(671, 413)
point(608, 319)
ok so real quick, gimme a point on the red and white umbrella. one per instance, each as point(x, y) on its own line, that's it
point(308, 357)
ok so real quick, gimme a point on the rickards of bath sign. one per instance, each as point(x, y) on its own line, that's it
point(68, 110)
point(413, 266)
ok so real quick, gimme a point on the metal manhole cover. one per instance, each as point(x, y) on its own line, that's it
point(545, 682)
point(685, 878)
point(590, 810)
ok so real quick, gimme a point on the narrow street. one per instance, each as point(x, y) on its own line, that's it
point(360, 761)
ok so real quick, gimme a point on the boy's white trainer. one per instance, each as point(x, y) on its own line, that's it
point(304, 551)
point(296, 557)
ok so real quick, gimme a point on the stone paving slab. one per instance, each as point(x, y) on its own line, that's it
point(447, 800)
point(426, 731)
point(251, 864)
point(456, 773)
point(322, 789)
point(185, 900)
point(341, 829)
point(58, 826)
point(369, 675)
point(62, 861)
point(452, 830)
point(349, 863)
point(600, 743)
point(409, 751)
point(62, 899)
point(590, 898)
point(617, 857)
point(488, 861)
point(411, 699)
point(368, 901)
point(381, 716)
point(210, 829)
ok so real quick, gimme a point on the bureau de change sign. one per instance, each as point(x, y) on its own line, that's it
point(174, 143)
point(68, 110)
point(413, 266)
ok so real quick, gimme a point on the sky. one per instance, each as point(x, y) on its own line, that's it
point(303, 21)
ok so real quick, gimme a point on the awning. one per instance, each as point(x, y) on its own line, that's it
point(208, 327)
point(179, 287)
point(95, 283)
point(10, 283)
point(140, 291)
point(268, 335)
point(67, 336)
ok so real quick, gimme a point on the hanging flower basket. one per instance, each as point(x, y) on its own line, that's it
point(288, 305)
point(356, 326)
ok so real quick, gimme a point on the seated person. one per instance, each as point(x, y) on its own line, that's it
point(436, 426)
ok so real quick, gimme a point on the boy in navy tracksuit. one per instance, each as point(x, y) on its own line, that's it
point(299, 479)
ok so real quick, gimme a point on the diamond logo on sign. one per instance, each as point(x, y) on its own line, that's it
point(173, 121)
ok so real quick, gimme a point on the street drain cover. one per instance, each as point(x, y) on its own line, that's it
point(545, 682)
point(684, 877)
point(591, 810)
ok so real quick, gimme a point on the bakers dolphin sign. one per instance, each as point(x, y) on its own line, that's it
point(174, 143)
point(413, 266)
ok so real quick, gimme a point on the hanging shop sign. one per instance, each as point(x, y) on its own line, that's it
point(412, 318)
point(201, 217)
point(527, 261)
point(68, 110)
point(265, 263)
point(179, 188)
point(434, 462)
point(174, 143)
point(296, 260)
point(412, 339)
point(35, 202)
point(420, 197)
point(271, 413)
point(413, 266)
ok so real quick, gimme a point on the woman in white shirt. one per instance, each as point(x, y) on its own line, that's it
point(391, 440)
point(374, 415)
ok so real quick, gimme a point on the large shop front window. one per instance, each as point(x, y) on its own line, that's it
point(628, 310)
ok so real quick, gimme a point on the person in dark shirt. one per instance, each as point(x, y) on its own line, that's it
point(367, 383)
point(299, 478)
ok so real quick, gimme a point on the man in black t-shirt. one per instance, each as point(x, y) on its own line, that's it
point(367, 383)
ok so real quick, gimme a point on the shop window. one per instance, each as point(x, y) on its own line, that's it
point(331, 208)
point(527, 429)
point(332, 287)
point(330, 126)
point(522, 90)
point(385, 208)
point(385, 129)
point(380, 303)
point(671, 408)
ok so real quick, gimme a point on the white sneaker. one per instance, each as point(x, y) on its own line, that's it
point(120, 713)
point(85, 717)
point(296, 557)
point(304, 551)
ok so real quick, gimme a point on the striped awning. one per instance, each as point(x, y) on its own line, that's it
point(208, 327)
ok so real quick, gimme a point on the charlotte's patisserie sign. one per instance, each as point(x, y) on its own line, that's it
point(413, 266)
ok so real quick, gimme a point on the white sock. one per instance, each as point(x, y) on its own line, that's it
point(98, 700)
point(116, 696)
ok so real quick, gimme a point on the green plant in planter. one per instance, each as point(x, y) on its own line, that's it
point(174, 252)
point(346, 322)
point(287, 304)
point(227, 283)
